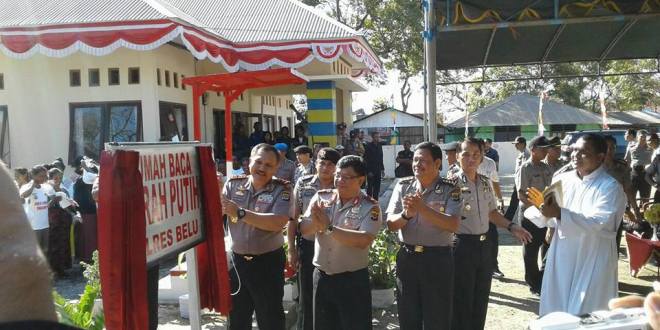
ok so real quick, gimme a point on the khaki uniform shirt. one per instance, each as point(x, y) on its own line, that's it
point(556, 167)
point(361, 214)
point(530, 175)
point(654, 168)
point(478, 202)
point(306, 187)
point(443, 196)
point(287, 170)
point(303, 170)
point(621, 173)
point(521, 159)
point(452, 170)
point(638, 156)
point(274, 198)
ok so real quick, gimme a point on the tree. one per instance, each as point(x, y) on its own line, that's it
point(393, 28)
point(621, 92)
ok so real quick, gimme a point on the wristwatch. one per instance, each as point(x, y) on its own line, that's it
point(240, 213)
point(511, 224)
point(405, 217)
point(328, 230)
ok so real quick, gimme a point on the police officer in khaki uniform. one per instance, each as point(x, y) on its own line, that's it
point(257, 206)
point(521, 145)
point(473, 258)
point(533, 173)
point(287, 168)
point(301, 248)
point(639, 156)
point(425, 210)
point(450, 154)
point(306, 165)
point(345, 221)
point(552, 158)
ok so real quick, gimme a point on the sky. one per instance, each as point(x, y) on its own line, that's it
point(365, 100)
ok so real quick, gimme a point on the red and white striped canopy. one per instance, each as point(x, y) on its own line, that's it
point(101, 39)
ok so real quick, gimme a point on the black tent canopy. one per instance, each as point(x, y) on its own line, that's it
point(480, 33)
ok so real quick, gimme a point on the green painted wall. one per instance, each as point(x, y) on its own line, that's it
point(587, 127)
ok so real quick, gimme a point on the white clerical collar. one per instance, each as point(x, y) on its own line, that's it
point(593, 175)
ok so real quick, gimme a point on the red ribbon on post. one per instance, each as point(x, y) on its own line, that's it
point(212, 269)
point(122, 241)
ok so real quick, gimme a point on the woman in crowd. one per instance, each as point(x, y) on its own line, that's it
point(268, 138)
point(59, 221)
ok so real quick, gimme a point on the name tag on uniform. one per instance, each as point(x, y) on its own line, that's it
point(265, 198)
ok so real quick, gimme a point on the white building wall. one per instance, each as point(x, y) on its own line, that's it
point(38, 96)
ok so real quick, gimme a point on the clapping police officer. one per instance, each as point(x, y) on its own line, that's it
point(301, 248)
point(425, 210)
point(473, 259)
point(346, 222)
point(257, 206)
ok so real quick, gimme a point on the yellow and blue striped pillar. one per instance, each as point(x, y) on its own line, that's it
point(322, 112)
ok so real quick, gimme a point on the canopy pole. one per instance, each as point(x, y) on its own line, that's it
point(430, 57)
point(229, 158)
point(197, 132)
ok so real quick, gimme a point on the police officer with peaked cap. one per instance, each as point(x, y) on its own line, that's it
point(425, 211)
point(257, 206)
point(303, 154)
point(345, 221)
point(533, 173)
point(473, 259)
point(450, 153)
point(301, 248)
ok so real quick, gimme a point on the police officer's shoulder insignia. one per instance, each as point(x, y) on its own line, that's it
point(238, 177)
point(456, 194)
point(307, 178)
point(448, 181)
point(282, 182)
point(285, 195)
point(566, 168)
point(374, 213)
point(407, 180)
point(325, 191)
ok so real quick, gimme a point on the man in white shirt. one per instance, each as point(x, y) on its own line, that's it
point(38, 194)
point(581, 271)
point(488, 168)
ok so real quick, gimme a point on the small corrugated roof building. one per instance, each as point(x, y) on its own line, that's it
point(517, 115)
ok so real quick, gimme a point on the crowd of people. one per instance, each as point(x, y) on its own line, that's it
point(446, 220)
point(61, 210)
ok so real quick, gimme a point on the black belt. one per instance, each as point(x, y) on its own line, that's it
point(474, 238)
point(422, 249)
point(638, 168)
point(253, 257)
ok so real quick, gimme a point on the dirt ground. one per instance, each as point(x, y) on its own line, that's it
point(511, 305)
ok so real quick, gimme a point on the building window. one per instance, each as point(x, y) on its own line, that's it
point(133, 76)
point(167, 78)
point(506, 133)
point(183, 86)
point(74, 78)
point(93, 124)
point(94, 77)
point(173, 122)
point(158, 77)
point(175, 79)
point(4, 136)
point(113, 76)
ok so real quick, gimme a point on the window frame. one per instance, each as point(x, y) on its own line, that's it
point(4, 128)
point(2, 81)
point(110, 82)
point(105, 121)
point(71, 73)
point(130, 72)
point(89, 77)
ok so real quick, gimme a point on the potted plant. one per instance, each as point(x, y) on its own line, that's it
point(382, 259)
